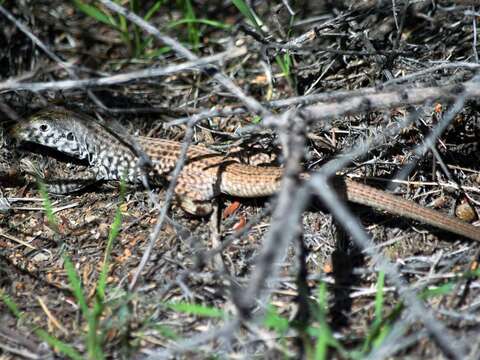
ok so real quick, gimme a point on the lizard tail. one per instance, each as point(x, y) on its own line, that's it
point(249, 181)
point(369, 196)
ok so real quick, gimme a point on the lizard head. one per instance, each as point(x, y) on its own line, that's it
point(53, 128)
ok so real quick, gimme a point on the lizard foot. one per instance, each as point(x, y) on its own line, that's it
point(195, 207)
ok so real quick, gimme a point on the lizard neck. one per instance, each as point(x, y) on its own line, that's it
point(110, 158)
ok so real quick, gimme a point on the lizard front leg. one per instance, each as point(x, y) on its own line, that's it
point(194, 193)
point(52, 175)
point(67, 186)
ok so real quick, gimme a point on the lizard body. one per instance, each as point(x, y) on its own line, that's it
point(206, 173)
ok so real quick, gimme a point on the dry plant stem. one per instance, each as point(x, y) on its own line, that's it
point(182, 346)
point(14, 85)
point(429, 142)
point(284, 226)
point(182, 156)
point(214, 225)
point(390, 99)
point(339, 103)
point(385, 98)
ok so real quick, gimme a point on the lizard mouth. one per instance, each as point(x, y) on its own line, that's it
point(27, 145)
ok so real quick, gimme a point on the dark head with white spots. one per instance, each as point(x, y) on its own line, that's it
point(81, 137)
point(54, 128)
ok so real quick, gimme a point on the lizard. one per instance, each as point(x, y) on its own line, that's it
point(206, 173)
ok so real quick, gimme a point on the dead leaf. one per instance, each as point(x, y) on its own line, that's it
point(230, 209)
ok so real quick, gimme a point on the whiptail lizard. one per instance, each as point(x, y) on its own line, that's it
point(206, 173)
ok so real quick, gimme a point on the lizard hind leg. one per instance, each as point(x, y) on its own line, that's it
point(194, 207)
point(194, 196)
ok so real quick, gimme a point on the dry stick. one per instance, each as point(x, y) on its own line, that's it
point(168, 199)
point(193, 343)
point(215, 238)
point(288, 7)
point(397, 340)
point(367, 99)
point(253, 220)
point(389, 99)
point(337, 103)
point(284, 225)
point(420, 73)
point(20, 352)
point(429, 142)
point(13, 85)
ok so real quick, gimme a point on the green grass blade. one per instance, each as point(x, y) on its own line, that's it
point(196, 309)
point(247, 12)
point(94, 340)
point(59, 345)
point(166, 332)
point(10, 304)
point(153, 9)
point(137, 34)
point(379, 297)
point(114, 230)
point(443, 289)
point(275, 322)
point(285, 63)
point(212, 23)
point(193, 33)
point(257, 119)
point(324, 334)
point(379, 329)
point(158, 52)
point(42, 334)
point(47, 205)
point(95, 13)
point(94, 337)
point(76, 286)
point(112, 235)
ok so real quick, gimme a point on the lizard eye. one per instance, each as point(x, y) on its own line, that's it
point(70, 136)
point(43, 127)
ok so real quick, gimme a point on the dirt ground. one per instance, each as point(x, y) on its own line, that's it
point(188, 300)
